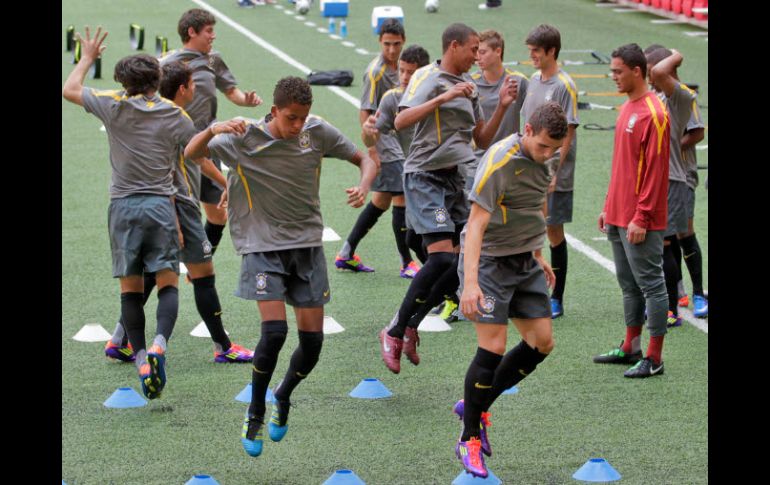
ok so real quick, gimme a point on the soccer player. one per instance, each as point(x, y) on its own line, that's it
point(381, 75)
point(634, 215)
point(176, 84)
point(504, 274)
point(441, 101)
point(661, 68)
point(210, 73)
point(551, 83)
point(144, 133)
point(275, 222)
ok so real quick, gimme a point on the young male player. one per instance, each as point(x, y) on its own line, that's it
point(275, 223)
point(144, 133)
point(504, 274)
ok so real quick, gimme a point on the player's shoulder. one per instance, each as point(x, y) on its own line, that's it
point(115, 94)
point(515, 73)
point(172, 105)
point(566, 79)
point(395, 93)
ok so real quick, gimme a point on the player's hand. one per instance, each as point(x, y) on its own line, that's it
point(509, 91)
point(369, 127)
point(236, 126)
point(90, 48)
point(602, 225)
point(251, 98)
point(460, 89)
point(470, 301)
point(356, 196)
point(223, 200)
point(550, 276)
point(635, 234)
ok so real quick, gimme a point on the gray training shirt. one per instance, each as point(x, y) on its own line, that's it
point(273, 187)
point(512, 187)
point(144, 136)
point(442, 139)
point(561, 89)
point(378, 79)
point(679, 107)
point(392, 145)
point(688, 154)
point(489, 97)
point(187, 179)
point(209, 74)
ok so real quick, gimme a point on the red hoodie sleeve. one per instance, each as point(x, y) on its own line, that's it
point(652, 170)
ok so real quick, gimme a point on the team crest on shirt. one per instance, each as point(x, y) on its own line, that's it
point(304, 139)
point(631, 123)
point(549, 95)
point(261, 283)
point(206, 247)
point(489, 304)
point(441, 217)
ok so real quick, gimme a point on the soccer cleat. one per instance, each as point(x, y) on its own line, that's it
point(411, 341)
point(437, 309)
point(235, 354)
point(153, 373)
point(557, 309)
point(354, 264)
point(469, 453)
point(410, 270)
point(246, 3)
point(252, 435)
point(449, 307)
point(390, 349)
point(119, 352)
point(617, 356)
point(280, 414)
point(456, 316)
point(486, 447)
point(673, 321)
point(700, 306)
point(684, 301)
point(645, 368)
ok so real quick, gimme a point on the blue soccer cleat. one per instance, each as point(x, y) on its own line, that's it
point(252, 436)
point(700, 306)
point(557, 309)
point(280, 414)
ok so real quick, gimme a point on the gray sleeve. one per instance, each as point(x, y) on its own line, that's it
point(387, 114)
point(335, 144)
point(224, 78)
point(223, 148)
point(695, 120)
point(488, 183)
point(98, 103)
point(369, 94)
point(682, 99)
point(184, 129)
point(421, 88)
point(568, 100)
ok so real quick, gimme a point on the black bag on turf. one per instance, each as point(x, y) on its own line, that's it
point(330, 78)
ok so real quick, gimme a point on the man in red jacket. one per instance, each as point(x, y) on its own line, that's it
point(635, 213)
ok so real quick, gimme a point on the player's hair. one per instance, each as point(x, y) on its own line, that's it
point(493, 39)
point(549, 116)
point(415, 54)
point(657, 55)
point(652, 47)
point(392, 26)
point(196, 18)
point(138, 74)
point(545, 36)
point(632, 56)
point(291, 90)
point(459, 32)
point(173, 75)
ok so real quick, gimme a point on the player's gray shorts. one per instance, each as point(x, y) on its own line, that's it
point(435, 201)
point(297, 276)
point(390, 179)
point(559, 207)
point(143, 235)
point(677, 208)
point(211, 192)
point(197, 248)
point(513, 286)
point(690, 203)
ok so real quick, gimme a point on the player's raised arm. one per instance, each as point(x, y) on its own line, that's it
point(91, 49)
point(198, 146)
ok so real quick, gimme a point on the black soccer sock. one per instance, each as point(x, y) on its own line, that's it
point(672, 275)
point(168, 308)
point(444, 289)
point(366, 220)
point(517, 364)
point(265, 358)
point(677, 250)
point(149, 284)
point(418, 291)
point(478, 385)
point(399, 231)
point(132, 311)
point(414, 241)
point(207, 302)
point(694, 261)
point(559, 266)
point(303, 360)
point(213, 234)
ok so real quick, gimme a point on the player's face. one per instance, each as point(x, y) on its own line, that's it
point(540, 58)
point(204, 40)
point(290, 119)
point(465, 54)
point(540, 147)
point(405, 71)
point(188, 93)
point(486, 57)
point(391, 45)
point(622, 75)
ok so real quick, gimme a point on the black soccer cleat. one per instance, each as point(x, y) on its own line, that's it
point(645, 368)
point(617, 356)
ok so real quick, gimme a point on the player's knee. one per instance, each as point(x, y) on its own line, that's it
point(546, 345)
point(311, 344)
point(273, 336)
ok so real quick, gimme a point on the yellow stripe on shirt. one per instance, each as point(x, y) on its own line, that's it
point(419, 76)
point(245, 184)
point(184, 173)
point(572, 92)
point(491, 166)
point(438, 125)
point(660, 126)
point(373, 80)
point(639, 170)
